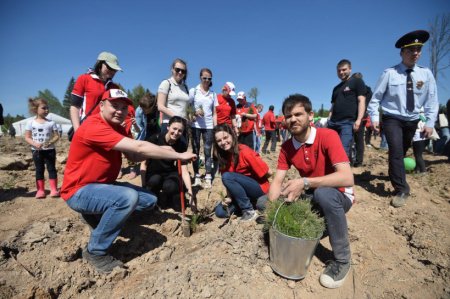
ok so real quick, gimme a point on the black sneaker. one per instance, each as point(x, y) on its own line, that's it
point(249, 215)
point(334, 274)
point(102, 263)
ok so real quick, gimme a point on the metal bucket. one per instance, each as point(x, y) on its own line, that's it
point(289, 256)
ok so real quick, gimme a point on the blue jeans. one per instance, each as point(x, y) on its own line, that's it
point(332, 205)
point(383, 143)
point(115, 203)
point(207, 136)
point(345, 130)
point(244, 192)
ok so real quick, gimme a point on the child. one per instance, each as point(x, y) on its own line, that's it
point(42, 133)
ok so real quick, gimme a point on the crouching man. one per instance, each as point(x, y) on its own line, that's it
point(95, 159)
point(326, 175)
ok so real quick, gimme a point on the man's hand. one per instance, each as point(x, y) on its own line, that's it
point(376, 126)
point(292, 189)
point(188, 156)
point(427, 132)
point(356, 125)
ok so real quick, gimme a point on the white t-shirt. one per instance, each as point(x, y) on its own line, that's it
point(207, 101)
point(41, 133)
point(177, 98)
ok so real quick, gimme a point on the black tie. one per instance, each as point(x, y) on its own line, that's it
point(409, 91)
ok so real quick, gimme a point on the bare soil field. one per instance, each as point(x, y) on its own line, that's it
point(396, 253)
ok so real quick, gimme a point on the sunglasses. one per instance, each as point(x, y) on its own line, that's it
point(178, 70)
point(206, 78)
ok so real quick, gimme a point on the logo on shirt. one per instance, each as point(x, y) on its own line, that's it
point(419, 84)
point(347, 88)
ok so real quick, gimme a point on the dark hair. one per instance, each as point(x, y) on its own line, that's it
point(148, 100)
point(344, 62)
point(177, 119)
point(33, 104)
point(205, 69)
point(224, 156)
point(179, 60)
point(98, 67)
point(357, 75)
point(271, 107)
point(294, 100)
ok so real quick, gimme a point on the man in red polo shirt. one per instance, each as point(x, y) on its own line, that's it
point(326, 175)
point(247, 112)
point(269, 126)
point(90, 186)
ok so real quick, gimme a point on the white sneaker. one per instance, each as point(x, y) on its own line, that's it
point(197, 182)
point(207, 184)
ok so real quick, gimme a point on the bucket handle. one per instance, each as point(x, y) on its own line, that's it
point(276, 213)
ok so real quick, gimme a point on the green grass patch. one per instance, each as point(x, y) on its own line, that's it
point(295, 219)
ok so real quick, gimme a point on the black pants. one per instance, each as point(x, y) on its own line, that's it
point(271, 136)
point(358, 138)
point(44, 158)
point(246, 138)
point(368, 135)
point(399, 134)
point(419, 148)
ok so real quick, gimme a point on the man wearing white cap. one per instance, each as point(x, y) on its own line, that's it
point(90, 187)
point(89, 87)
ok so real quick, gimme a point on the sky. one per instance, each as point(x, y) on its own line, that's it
point(280, 47)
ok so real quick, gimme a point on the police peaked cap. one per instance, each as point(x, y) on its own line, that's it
point(415, 38)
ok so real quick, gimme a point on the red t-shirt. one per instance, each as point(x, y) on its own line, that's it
point(90, 88)
point(225, 109)
point(269, 121)
point(131, 114)
point(258, 124)
point(250, 164)
point(91, 157)
point(247, 123)
point(316, 157)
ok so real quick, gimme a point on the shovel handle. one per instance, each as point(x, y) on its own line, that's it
point(180, 176)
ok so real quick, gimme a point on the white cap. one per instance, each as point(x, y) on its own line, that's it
point(231, 88)
point(241, 95)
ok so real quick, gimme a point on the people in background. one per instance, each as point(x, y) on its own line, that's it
point(203, 101)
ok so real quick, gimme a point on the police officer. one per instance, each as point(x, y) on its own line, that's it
point(401, 91)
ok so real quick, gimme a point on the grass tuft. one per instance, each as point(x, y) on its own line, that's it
point(295, 219)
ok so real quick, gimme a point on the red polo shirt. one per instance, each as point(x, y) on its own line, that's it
point(316, 157)
point(269, 121)
point(225, 109)
point(250, 164)
point(90, 88)
point(91, 157)
point(247, 123)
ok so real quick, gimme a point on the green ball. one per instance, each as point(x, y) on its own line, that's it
point(410, 164)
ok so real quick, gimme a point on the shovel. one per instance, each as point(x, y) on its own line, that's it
point(185, 227)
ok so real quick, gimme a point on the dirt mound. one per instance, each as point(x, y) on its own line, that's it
point(397, 253)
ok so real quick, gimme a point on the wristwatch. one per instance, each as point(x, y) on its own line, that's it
point(306, 184)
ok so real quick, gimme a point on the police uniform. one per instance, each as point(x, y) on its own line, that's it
point(400, 120)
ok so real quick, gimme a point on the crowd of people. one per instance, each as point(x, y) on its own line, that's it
point(233, 140)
